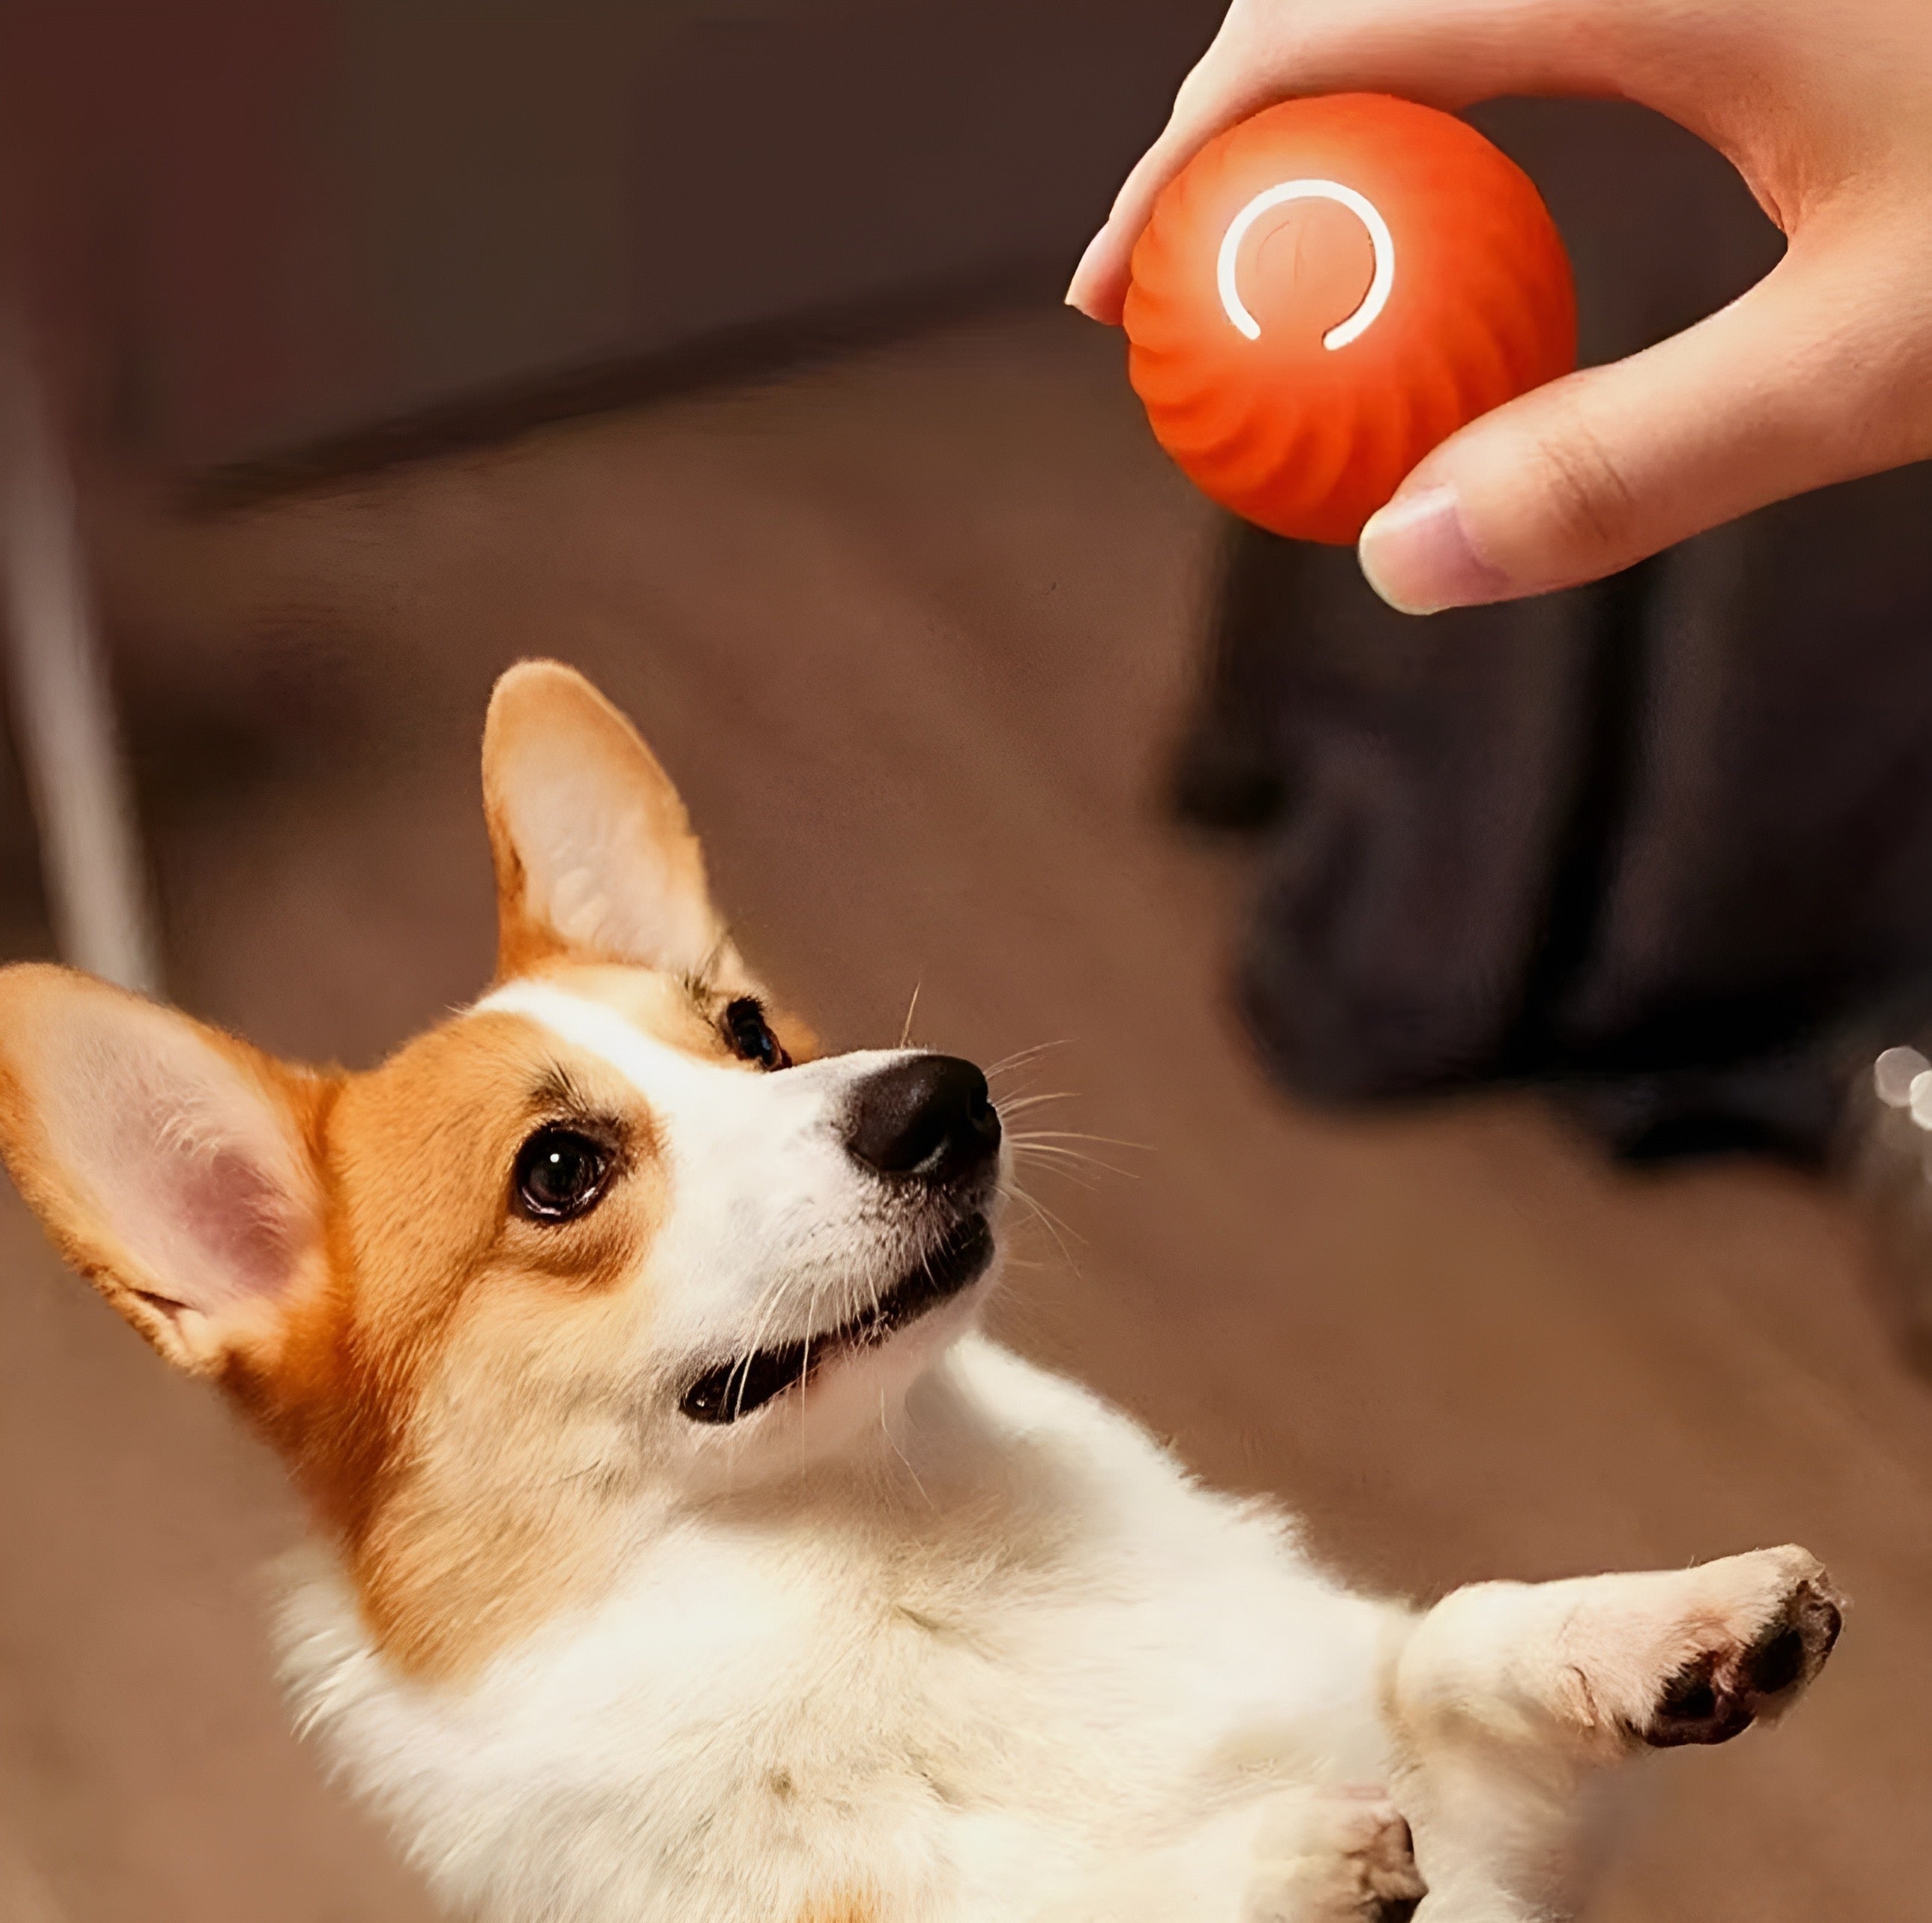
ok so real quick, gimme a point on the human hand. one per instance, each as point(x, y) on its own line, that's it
point(1822, 372)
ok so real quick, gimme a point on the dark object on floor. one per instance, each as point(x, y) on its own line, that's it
point(1656, 843)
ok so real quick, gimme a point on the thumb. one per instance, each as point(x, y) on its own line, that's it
point(1815, 375)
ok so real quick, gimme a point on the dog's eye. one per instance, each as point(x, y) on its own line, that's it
point(750, 1036)
point(560, 1174)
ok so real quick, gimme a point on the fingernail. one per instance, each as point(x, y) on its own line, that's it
point(1093, 247)
point(1418, 557)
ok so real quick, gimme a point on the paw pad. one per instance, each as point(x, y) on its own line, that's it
point(1719, 1694)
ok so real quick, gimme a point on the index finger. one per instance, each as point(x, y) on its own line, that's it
point(1446, 53)
point(1217, 94)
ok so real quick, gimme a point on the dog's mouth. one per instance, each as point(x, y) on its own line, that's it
point(736, 1389)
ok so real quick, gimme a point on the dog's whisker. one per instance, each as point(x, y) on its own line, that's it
point(892, 1443)
point(1047, 1219)
point(1079, 1178)
point(1067, 1254)
point(912, 1009)
point(1018, 1105)
point(1078, 1135)
point(1023, 1143)
point(805, 1365)
point(1068, 1164)
point(1058, 1221)
point(765, 1312)
point(1043, 1151)
point(1007, 1063)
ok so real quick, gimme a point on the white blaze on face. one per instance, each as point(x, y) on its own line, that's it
point(773, 1228)
point(1227, 267)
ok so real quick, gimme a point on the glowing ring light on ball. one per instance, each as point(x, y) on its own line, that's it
point(1227, 262)
point(1328, 290)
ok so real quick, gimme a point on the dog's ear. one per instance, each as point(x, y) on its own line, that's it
point(594, 855)
point(177, 1169)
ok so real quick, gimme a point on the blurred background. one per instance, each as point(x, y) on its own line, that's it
point(1476, 1009)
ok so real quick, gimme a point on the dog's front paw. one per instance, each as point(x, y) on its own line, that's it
point(1332, 1856)
point(1772, 1620)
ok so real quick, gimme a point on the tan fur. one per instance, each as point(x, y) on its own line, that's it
point(443, 1390)
point(454, 1405)
point(440, 1283)
point(842, 1909)
point(440, 1380)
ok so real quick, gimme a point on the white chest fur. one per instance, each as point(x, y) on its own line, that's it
point(1019, 1642)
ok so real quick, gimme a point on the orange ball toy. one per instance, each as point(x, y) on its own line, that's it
point(1329, 289)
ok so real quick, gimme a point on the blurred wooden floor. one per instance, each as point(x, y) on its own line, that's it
point(913, 634)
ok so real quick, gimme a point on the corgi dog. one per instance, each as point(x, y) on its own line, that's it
point(681, 1552)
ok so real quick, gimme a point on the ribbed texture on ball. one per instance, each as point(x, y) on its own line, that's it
point(1306, 440)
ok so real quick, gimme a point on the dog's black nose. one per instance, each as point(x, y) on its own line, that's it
point(928, 1115)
